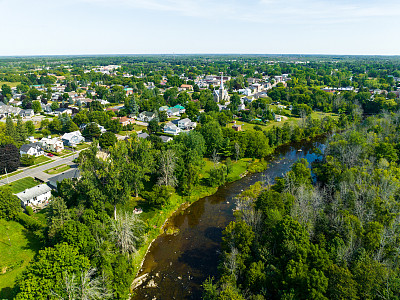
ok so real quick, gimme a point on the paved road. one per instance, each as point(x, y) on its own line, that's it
point(38, 171)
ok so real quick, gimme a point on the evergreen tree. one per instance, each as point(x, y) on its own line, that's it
point(21, 130)
point(10, 128)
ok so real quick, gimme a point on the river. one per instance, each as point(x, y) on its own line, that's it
point(178, 264)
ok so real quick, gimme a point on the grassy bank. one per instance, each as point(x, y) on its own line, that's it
point(17, 248)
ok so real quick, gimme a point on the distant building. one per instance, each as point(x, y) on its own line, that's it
point(187, 87)
point(35, 197)
point(237, 127)
point(146, 116)
point(221, 95)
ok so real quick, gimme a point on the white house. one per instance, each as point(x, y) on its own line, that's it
point(53, 145)
point(186, 124)
point(8, 110)
point(146, 116)
point(27, 113)
point(37, 196)
point(72, 138)
point(171, 128)
point(33, 149)
point(246, 91)
point(173, 112)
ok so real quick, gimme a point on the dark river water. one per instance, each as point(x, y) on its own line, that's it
point(178, 264)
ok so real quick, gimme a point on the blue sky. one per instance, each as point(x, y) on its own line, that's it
point(45, 27)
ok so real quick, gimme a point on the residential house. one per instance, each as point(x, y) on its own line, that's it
point(165, 138)
point(46, 108)
point(246, 91)
point(186, 124)
point(72, 138)
point(237, 127)
point(124, 121)
point(163, 108)
point(102, 102)
point(278, 118)
point(187, 87)
point(60, 111)
point(102, 129)
point(33, 149)
point(70, 174)
point(27, 113)
point(36, 196)
point(8, 110)
point(171, 128)
point(173, 112)
point(146, 116)
point(256, 87)
point(52, 145)
point(128, 91)
point(143, 135)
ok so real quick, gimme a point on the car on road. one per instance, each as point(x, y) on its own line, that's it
point(50, 154)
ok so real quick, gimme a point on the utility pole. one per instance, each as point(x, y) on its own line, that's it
point(8, 181)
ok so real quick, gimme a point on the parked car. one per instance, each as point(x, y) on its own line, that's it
point(50, 154)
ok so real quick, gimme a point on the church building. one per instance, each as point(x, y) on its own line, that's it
point(221, 95)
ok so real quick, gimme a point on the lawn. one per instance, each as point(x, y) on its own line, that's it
point(10, 84)
point(17, 248)
point(64, 152)
point(41, 159)
point(23, 184)
point(81, 146)
point(58, 169)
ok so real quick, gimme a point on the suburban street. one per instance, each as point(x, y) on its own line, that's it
point(38, 172)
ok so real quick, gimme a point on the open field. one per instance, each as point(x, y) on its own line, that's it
point(10, 84)
point(293, 120)
point(23, 184)
point(17, 248)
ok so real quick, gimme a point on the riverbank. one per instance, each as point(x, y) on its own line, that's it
point(158, 222)
point(177, 264)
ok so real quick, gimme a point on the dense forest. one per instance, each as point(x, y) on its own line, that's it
point(336, 238)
